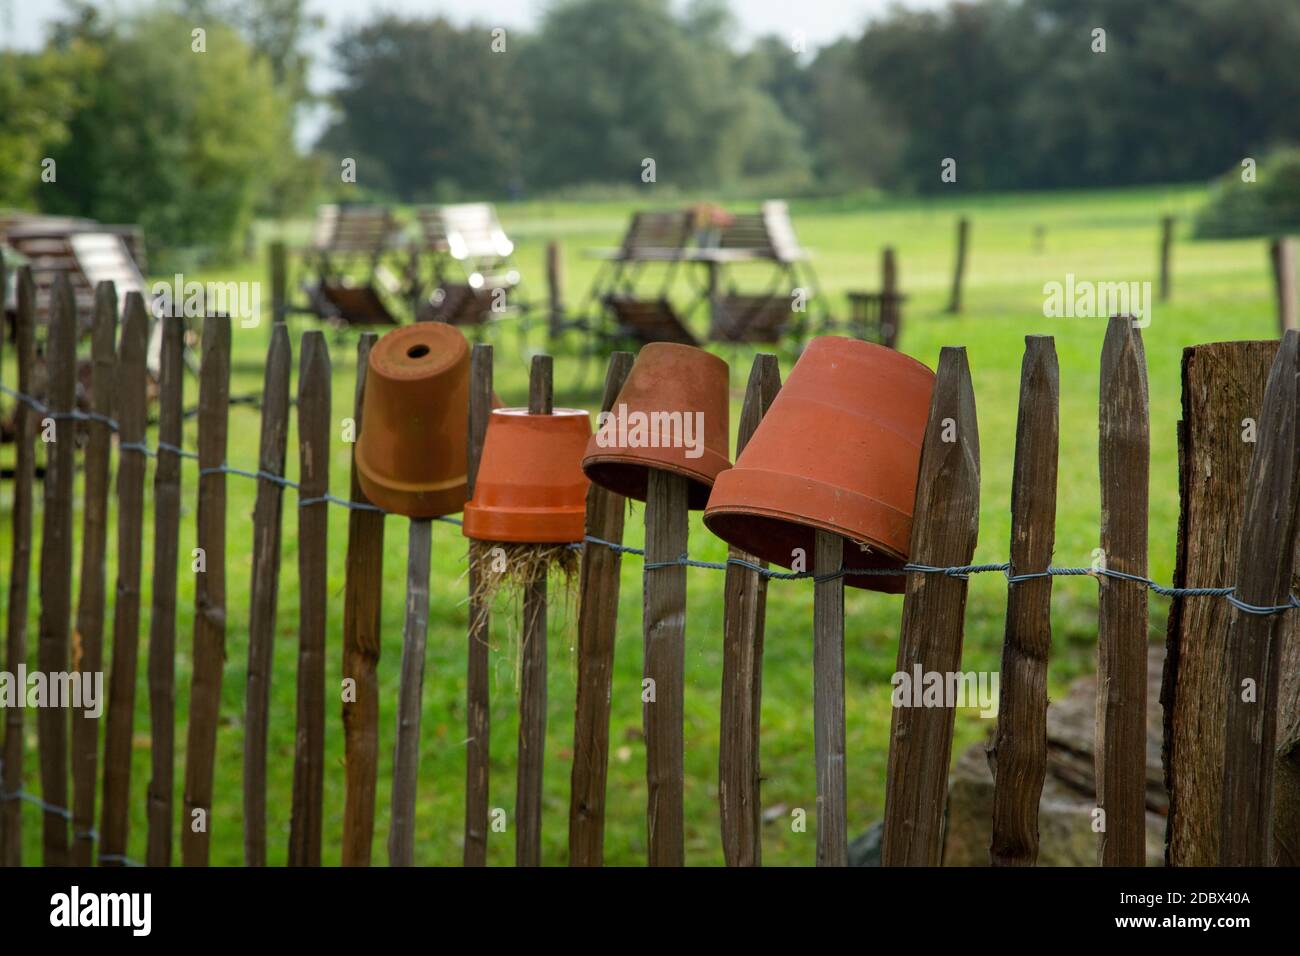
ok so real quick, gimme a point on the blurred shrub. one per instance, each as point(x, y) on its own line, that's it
point(1269, 206)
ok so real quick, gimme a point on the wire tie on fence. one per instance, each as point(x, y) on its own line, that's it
point(1241, 605)
point(139, 446)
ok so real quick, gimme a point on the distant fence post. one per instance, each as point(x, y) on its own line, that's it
point(1166, 256)
point(162, 616)
point(1125, 460)
point(1264, 568)
point(597, 624)
point(959, 270)
point(20, 568)
point(209, 564)
point(744, 617)
point(554, 287)
point(945, 525)
point(891, 303)
point(56, 561)
point(1282, 257)
point(477, 676)
point(279, 281)
point(1019, 753)
point(362, 607)
point(133, 418)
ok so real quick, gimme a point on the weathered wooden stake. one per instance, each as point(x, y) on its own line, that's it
point(1019, 753)
point(308, 812)
point(828, 702)
point(532, 671)
point(1125, 450)
point(209, 564)
point(133, 419)
point(406, 751)
point(363, 593)
point(597, 625)
point(59, 432)
point(891, 302)
point(1282, 257)
point(88, 637)
point(744, 616)
point(554, 288)
point(959, 270)
point(1264, 571)
point(20, 569)
point(477, 713)
point(945, 526)
point(162, 617)
point(265, 589)
point(279, 283)
point(1166, 256)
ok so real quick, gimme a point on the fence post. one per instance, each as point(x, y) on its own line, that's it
point(1166, 256)
point(265, 587)
point(1124, 451)
point(597, 626)
point(363, 593)
point(1282, 257)
point(532, 670)
point(1019, 752)
point(90, 601)
point(56, 560)
point(1264, 566)
point(162, 616)
point(20, 568)
point(209, 564)
point(477, 713)
point(133, 419)
point(554, 287)
point(891, 305)
point(667, 528)
point(279, 282)
point(744, 616)
point(959, 271)
point(945, 525)
point(406, 750)
point(828, 701)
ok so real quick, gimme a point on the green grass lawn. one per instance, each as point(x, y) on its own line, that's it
point(1221, 291)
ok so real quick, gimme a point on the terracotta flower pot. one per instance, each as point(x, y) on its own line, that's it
point(411, 454)
point(530, 486)
point(672, 415)
point(839, 450)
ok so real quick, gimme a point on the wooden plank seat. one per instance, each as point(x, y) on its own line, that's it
point(648, 320)
point(751, 318)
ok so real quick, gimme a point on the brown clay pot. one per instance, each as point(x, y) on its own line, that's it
point(411, 453)
point(839, 450)
point(530, 486)
point(667, 386)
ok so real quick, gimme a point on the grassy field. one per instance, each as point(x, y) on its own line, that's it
point(1221, 291)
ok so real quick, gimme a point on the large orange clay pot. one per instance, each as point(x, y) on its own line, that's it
point(412, 450)
point(530, 486)
point(839, 450)
point(673, 415)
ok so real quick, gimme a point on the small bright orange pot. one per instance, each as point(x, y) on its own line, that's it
point(530, 486)
point(839, 450)
point(412, 451)
point(672, 415)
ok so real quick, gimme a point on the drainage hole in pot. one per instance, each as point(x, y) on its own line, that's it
point(417, 351)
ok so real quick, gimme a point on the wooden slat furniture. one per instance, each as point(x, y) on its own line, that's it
point(343, 237)
point(469, 235)
point(648, 320)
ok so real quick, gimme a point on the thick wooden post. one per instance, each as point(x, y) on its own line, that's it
point(1125, 451)
point(406, 750)
point(308, 812)
point(209, 563)
point(1166, 256)
point(744, 616)
point(597, 625)
point(162, 616)
point(1264, 572)
point(828, 702)
point(265, 589)
point(945, 525)
point(59, 431)
point(133, 419)
point(1282, 258)
point(363, 593)
point(959, 269)
point(477, 676)
point(88, 643)
point(667, 529)
point(1019, 753)
point(20, 568)
point(532, 671)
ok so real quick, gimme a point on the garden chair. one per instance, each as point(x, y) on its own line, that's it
point(470, 236)
point(345, 239)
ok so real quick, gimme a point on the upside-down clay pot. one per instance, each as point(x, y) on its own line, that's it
point(530, 486)
point(411, 454)
point(839, 450)
point(672, 414)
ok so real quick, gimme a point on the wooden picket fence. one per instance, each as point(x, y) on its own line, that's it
point(1241, 770)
